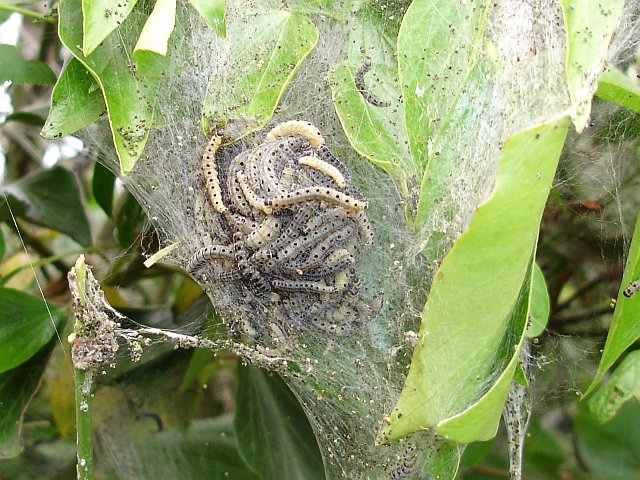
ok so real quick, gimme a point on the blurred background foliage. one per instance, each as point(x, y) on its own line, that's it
point(191, 414)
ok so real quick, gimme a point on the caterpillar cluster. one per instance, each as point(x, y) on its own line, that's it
point(295, 227)
point(407, 465)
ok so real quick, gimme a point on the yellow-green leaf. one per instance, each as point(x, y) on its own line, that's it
point(76, 101)
point(437, 44)
point(614, 86)
point(266, 51)
point(157, 29)
point(625, 327)
point(624, 385)
point(589, 27)
point(471, 323)
point(18, 70)
point(213, 13)
point(130, 99)
point(375, 132)
point(100, 18)
point(540, 304)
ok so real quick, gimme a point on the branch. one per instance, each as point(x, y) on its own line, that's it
point(28, 13)
point(560, 322)
point(82, 373)
point(496, 472)
point(582, 290)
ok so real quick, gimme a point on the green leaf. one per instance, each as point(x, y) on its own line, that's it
point(76, 101)
point(373, 132)
point(614, 86)
point(103, 183)
point(18, 70)
point(622, 386)
point(150, 52)
point(621, 126)
point(266, 51)
point(543, 451)
point(589, 27)
point(446, 461)
point(29, 118)
point(157, 29)
point(447, 92)
point(208, 450)
point(274, 435)
point(611, 451)
point(433, 64)
point(202, 364)
point(540, 305)
point(625, 327)
point(476, 452)
point(452, 143)
point(481, 419)
point(477, 299)
point(520, 375)
point(2, 246)
point(17, 387)
point(376, 133)
point(51, 198)
point(128, 218)
point(10, 207)
point(339, 11)
point(100, 18)
point(213, 13)
point(130, 98)
point(27, 325)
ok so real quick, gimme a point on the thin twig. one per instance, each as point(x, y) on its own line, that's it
point(582, 290)
point(28, 13)
point(21, 140)
point(571, 319)
point(50, 260)
point(41, 249)
point(189, 341)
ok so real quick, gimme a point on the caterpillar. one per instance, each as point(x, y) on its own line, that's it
point(332, 240)
point(252, 198)
point(325, 154)
point(298, 245)
point(328, 195)
point(302, 286)
point(327, 215)
point(274, 159)
point(264, 233)
point(325, 168)
point(365, 228)
point(297, 128)
point(210, 171)
point(362, 87)
point(328, 270)
point(203, 256)
point(632, 288)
